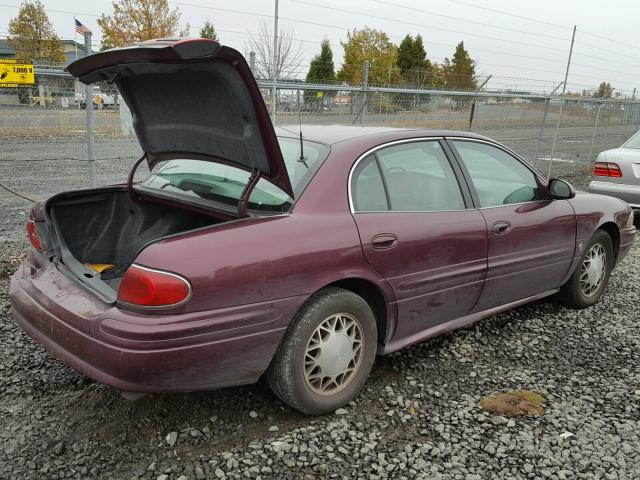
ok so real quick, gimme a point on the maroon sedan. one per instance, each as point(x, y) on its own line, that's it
point(249, 251)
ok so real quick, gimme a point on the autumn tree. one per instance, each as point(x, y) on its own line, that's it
point(374, 46)
point(321, 70)
point(134, 21)
point(604, 90)
point(288, 54)
point(32, 37)
point(460, 71)
point(207, 31)
point(415, 67)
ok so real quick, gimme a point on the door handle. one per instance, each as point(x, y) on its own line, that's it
point(501, 227)
point(384, 241)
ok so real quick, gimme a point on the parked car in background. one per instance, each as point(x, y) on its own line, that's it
point(617, 172)
point(252, 251)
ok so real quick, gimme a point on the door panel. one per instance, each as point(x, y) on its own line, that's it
point(436, 268)
point(531, 239)
point(417, 233)
point(533, 256)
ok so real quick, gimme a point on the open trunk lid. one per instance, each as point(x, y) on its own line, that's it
point(192, 98)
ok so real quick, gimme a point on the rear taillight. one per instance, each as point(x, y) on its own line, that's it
point(33, 236)
point(607, 169)
point(147, 287)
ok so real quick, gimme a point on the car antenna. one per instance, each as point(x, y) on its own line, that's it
point(302, 157)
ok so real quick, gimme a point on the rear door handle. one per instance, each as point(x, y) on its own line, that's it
point(501, 227)
point(384, 241)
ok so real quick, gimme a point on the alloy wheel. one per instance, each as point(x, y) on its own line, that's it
point(333, 354)
point(593, 270)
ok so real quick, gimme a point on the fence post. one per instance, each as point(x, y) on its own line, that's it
point(88, 100)
point(544, 119)
point(365, 85)
point(595, 130)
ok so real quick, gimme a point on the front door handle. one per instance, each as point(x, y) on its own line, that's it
point(384, 241)
point(501, 227)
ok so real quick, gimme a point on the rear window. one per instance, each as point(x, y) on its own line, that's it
point(220, 183)
point(633, 142)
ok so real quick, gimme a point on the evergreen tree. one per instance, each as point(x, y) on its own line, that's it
point(207, 31)
point(321, 70)
point(460, 71)
point(415, 68)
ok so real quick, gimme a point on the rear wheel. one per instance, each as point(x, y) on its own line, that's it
point(588, 282)
point(326, 354)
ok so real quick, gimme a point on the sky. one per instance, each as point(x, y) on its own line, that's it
point(521, 44)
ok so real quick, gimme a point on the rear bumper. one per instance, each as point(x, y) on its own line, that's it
point(628, 193)
point(147, 353)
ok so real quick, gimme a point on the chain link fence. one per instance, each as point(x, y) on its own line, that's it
point(526, 122)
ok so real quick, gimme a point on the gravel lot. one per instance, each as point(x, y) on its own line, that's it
point(419, 416)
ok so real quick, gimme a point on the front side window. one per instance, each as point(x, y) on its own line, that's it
point(216, 182)
point(409, 177)
point(498, 178)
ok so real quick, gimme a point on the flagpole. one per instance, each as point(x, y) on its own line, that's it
point(75, 36)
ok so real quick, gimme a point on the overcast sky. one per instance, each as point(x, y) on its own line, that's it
point(513, 48)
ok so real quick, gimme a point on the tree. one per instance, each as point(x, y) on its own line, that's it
point(32, 37)
point(372, 45)
point(415, 68)
point(207, 31)
point(604, 90)
point(321, 70)
point(134, 21)
point(460, 72)
point(287, 54)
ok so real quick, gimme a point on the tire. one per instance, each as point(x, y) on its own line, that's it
point(287, 374)
point(573, 292)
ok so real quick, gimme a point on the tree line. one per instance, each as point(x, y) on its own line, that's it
point(32, 37)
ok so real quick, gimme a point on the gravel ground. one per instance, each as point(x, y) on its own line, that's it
point(419, 416)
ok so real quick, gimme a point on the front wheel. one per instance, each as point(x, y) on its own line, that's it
point(326, 354)
point(588, 282)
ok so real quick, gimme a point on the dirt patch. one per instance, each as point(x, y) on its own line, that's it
point(515, 403)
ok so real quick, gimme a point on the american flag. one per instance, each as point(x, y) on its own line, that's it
point(80, 28)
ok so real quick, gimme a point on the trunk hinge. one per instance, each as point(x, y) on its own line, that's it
point(243, 203)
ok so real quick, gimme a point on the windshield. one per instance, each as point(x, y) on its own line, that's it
point(217, 182)
point(633, 142)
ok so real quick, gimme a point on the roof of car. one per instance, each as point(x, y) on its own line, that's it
point(331, 134)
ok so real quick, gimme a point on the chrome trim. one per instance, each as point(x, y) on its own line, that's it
point(158, 307)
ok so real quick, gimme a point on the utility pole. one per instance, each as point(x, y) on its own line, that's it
point(365, 86)
point(275, 66)
point(252, 62)
point(564, 89)
point(88, 101)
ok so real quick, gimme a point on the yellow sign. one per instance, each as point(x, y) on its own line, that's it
point(319, 94)
point(14, 74)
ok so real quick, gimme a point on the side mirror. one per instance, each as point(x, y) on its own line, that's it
point(560, 190)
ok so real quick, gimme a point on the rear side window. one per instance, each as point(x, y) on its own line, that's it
point(368, 190)
point(410, 177)
point(499, 178)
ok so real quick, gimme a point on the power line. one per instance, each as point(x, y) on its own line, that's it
point(461, 19)
point(515, 42)
point(502, 12)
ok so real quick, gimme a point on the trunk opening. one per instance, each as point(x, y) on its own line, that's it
point(107, 226)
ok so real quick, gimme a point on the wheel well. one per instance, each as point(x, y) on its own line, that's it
point(371, 294)
point(613, 232)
